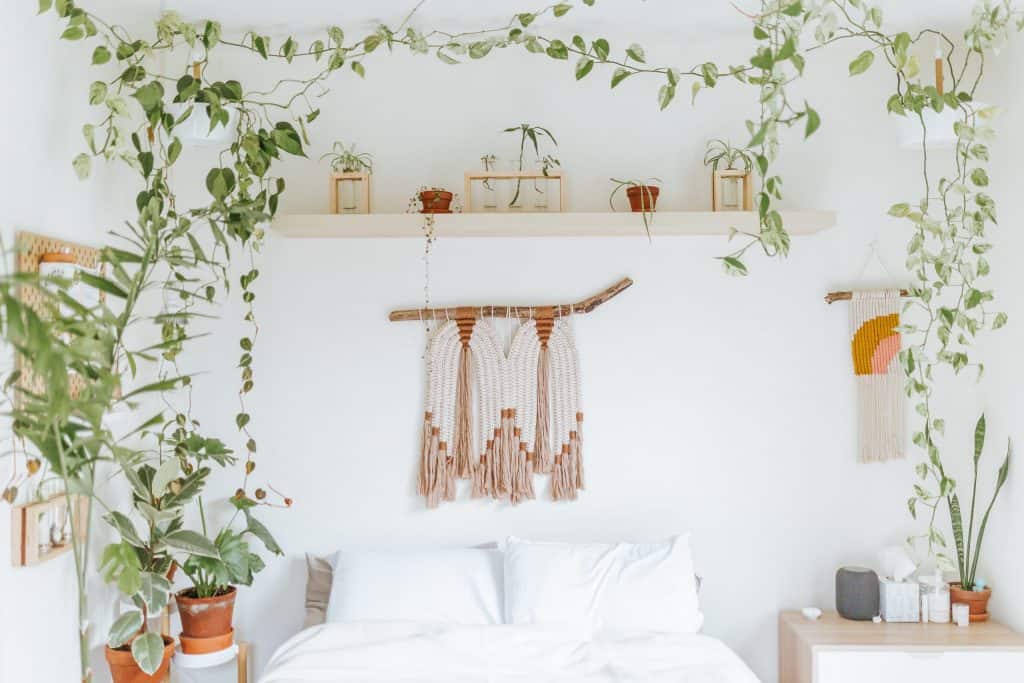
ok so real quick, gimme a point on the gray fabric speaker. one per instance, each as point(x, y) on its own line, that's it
point(857, 593)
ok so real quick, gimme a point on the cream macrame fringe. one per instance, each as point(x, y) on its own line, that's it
point(496, 419)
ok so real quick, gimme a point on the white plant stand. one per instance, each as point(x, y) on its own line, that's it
point(238, 651)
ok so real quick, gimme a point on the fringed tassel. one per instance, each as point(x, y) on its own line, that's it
point(506, 453)
point(480, 483)
point(423, 483)
point(580, 481)
point(448, 481)
point(572, 469)
point(462, 448)
point(522, 486)
point(528, 465)
point(543, 432)
point(559, 478)
point(493, 464)
point(435, 470)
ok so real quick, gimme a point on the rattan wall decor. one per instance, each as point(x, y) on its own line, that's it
point(495, 416)
point(32, 250)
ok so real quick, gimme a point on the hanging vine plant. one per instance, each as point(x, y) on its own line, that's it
point(188, 252)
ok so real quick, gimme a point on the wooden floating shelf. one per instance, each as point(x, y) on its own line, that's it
point(549, 224)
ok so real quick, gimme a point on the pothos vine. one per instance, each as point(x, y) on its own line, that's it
point(141, 107)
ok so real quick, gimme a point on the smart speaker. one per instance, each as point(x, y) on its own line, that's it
point(857, 593)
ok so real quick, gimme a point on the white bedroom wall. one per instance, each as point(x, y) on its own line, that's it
point(46, 87)
point(720, 406)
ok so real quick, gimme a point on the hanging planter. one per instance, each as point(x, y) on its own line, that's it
point(124, 668)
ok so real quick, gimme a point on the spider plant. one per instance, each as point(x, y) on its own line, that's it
point(647, 204)
point(721, 152)
point(345, 159)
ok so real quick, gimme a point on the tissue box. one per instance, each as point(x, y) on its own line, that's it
point(899, 601)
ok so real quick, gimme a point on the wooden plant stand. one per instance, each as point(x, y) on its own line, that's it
point(480, 176)
point(364, 186)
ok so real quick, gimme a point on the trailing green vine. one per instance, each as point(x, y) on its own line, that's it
point(188, 251)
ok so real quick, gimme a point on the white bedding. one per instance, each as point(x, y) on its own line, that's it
point(391, 652)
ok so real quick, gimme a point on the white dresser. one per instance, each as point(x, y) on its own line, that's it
point(836, 650)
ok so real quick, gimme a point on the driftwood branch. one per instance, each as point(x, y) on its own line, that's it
point(509, 311)
point(833, 297)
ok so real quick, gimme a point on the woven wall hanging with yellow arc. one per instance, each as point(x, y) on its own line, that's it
point(875, 345)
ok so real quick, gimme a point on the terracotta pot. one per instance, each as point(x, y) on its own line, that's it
point(202, 646)
point(436, 201)
point(123, 668)
point(643, 197)
point(977, 601)
point(205, 617)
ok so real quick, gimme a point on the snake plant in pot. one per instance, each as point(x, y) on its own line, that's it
point(970, 589)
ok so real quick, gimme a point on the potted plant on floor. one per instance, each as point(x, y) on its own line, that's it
point(207, 607)
point(642, 195)
point(970, 590)
point(141, 561)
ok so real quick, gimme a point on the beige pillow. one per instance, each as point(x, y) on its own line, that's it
point(320, 573)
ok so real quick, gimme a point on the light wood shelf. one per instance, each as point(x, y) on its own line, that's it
point(549, 224)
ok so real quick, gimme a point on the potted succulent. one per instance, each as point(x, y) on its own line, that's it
point(970, 589)
point(642, 195)
point(731, 182)
point(545, 162)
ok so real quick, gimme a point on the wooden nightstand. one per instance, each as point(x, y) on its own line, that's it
point(836, 650)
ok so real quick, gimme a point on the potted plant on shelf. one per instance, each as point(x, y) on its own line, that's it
point(732, 187)
point(433, 200)
point(349, 168)
point(970, 589)
point(642, 195)
point(545, 162)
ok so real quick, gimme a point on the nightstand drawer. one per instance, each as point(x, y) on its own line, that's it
point(933, 666)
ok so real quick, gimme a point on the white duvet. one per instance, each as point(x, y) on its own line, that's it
point(391, 652)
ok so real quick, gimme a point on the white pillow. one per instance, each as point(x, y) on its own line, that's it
point(448, 586)
point(624, 587)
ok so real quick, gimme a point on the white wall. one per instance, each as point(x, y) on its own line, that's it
point(715, 405)
point(47, 91)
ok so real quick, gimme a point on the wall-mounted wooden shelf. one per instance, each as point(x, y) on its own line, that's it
point(552, 224)
point(26, 531)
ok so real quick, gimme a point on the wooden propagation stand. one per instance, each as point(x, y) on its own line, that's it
point(363, 191)
point(480, 176)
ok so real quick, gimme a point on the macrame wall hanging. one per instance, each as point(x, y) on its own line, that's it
point(497, 416)
point(875, 344)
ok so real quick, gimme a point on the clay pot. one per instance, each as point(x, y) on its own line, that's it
point(977, 601)
point(436, 201)
point(123, 668)
point(643, 197)
point(205, 617)
point(202, 646)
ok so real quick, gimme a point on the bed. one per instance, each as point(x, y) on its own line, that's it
point(528, 612)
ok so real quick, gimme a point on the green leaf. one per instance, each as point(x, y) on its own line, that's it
point(620, 75)
point(82, 165)
point(155, 591)
point(665, 95)
point(97, 93)
point(261, 532)
point(979, 437)
point(192, 543)
point(101, 55)
point(636, 53)
point(813, 121)
point(583, 67)
point(979, 177)
point(1000, 321)
point(148, 652)
point(73, 33)
point(165, 474)
point(733, 265)
point(122, 630)
point(601, 49)
point(899, 210)
point(862, 63)
point(561, 9)
point(358, 69)
point(557, 50)
point(124, 526)
point(173, 151)
point(102, 284)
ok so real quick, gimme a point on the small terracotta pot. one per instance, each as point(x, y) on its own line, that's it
point(436, 201)
point(977, 601)
point(206, 617)
point(643, 197)
point(202, 646)
point(123, 668)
